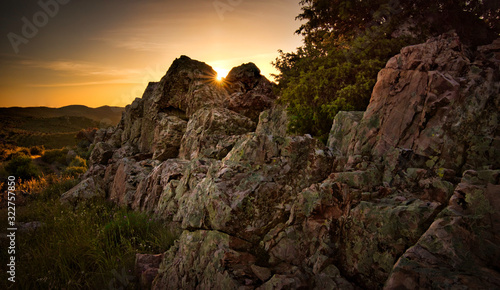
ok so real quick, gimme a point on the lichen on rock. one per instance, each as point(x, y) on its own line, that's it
point(404, 195)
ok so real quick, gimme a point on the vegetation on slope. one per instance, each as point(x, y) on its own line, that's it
point(90, 247)
point(53, 128)
point(346, 43)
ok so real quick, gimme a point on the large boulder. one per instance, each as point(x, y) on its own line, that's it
point(212, 133)
point(88, 189)
point(427, 100)
point(127, 177)
point(461, 248)
point(250, 92)
point(167, 137)
point(400, 163)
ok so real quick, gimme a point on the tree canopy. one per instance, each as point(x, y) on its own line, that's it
point(346, 43)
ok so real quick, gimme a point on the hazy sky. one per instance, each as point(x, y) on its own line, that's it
point(103, 52)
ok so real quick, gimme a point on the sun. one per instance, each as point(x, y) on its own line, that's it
point(221, 73)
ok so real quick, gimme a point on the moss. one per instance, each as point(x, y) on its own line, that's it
point(488, 176)
point(478, 204)
point(385, 260)
point(475, 70)
point(374, 122)
point(432, 162)
point(440, 172)
point(432, 243)
point(311, 199)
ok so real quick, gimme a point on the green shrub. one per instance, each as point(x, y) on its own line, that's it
point(22, 167)
point(37, 150)
point(56, 156)
point(24, 151)
point(78, 162)
point(74, 171)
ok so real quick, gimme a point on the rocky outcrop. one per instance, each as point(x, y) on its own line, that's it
point(427, 100)
point(404, 195)
point(212, 133)
point(154, 123)
point(432, 117)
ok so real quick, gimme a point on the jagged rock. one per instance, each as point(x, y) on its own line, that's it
point(101, 154)
point(131, 122)
point(249, 192)
point(243, 78)
point(89, 188)
point(273, 122)
point(102, 135)
point(177, 191)
point(188, 86)
point(147, 194)
point(129, 174)
point(344, 132)
point(378, 234)
point(250, 92)
point(426, 100)
point(415, 177)
point(205, 260)
point(461, 248)
point(146, 268)
point(262, 273)
point(167, 137)
point(212, 133)
point(245, 195)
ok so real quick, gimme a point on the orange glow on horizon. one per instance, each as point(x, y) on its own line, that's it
point(112, 60)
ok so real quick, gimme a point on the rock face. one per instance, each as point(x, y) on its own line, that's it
point(404, 196)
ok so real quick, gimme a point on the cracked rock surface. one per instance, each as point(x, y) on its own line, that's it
point(405, 195)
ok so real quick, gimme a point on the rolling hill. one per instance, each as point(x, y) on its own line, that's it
point(52, 127)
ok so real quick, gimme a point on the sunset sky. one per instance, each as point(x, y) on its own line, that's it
point(94, 52)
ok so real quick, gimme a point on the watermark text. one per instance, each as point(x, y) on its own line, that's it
point(11, 228)
point(31, 27)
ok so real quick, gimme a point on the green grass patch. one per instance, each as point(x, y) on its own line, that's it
point(84, 247)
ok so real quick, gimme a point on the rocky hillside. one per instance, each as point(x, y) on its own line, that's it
point(404, 196)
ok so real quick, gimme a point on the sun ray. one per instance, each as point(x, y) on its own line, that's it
point(221, 73)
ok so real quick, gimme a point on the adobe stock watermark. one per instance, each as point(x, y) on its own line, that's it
point(30, 28)
point(223, 6)
point(11, 228)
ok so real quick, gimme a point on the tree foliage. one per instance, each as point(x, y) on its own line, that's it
point(346, 43)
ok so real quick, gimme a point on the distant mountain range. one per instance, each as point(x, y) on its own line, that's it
point(52, 127)
point(105, 114)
